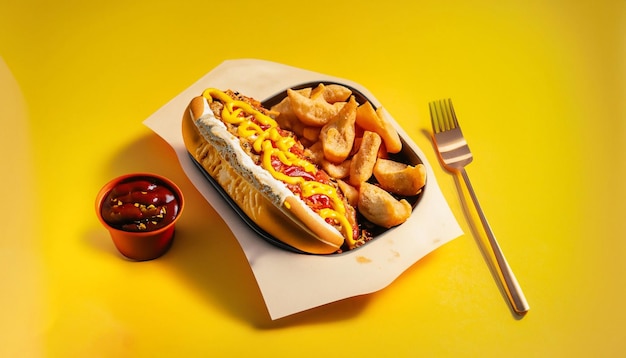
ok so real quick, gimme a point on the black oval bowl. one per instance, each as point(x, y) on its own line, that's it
point(406, 155)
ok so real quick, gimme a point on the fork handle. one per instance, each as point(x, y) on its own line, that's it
point(514, 291)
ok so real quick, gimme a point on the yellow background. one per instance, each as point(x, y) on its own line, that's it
point(539, 89)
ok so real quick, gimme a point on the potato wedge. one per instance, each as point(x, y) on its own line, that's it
point(399, 178)
point(311, 134)
point(380, 207)
point(315, 153)
point(374, 120)
point(336, 93)
point(351, 193)
point(337, 170)
point(338, 135)
point(284, 114)
point(314, 111)
point(365, 158)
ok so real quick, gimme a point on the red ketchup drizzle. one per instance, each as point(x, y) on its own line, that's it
point(320, 201)
point(294, 171)
point(291, 170)
point(140, 205)
point(316, 201)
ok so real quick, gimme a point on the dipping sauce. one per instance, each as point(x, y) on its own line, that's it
point(140, 204)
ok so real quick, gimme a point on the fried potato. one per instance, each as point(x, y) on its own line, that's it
point(351, 193)
point(337, 171)
point(382, 151)
point(352, 143)
point(311, 134)
point(332, 92)
point(315, 153)
point(399, 178)
point(283, 113)
point(306, 92)
point(374, 120)
point(380, 207)
point(313, 111)
point(318, 91)
point(356, 145)
point(337, 136)
point(365, 158)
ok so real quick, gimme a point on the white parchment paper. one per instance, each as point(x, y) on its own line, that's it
point(289, 282)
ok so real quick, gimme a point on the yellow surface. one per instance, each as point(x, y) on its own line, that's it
point(538, 86)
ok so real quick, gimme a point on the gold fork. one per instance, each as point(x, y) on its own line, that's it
point(455, 155)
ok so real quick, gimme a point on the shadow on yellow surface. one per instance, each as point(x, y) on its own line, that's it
point(205, 253)
point(477, 232)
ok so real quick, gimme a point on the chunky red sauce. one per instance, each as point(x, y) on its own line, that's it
point(140, 205)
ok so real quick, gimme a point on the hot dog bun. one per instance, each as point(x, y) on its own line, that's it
point(264, 199)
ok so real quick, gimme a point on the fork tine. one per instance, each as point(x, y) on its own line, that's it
point(441, 117)
point(434, 117)
point(447, 115)
point(455, 122)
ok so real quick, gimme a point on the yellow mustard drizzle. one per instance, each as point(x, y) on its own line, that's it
point(270, 144)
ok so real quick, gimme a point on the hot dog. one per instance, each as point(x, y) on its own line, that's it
point(263, 168)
